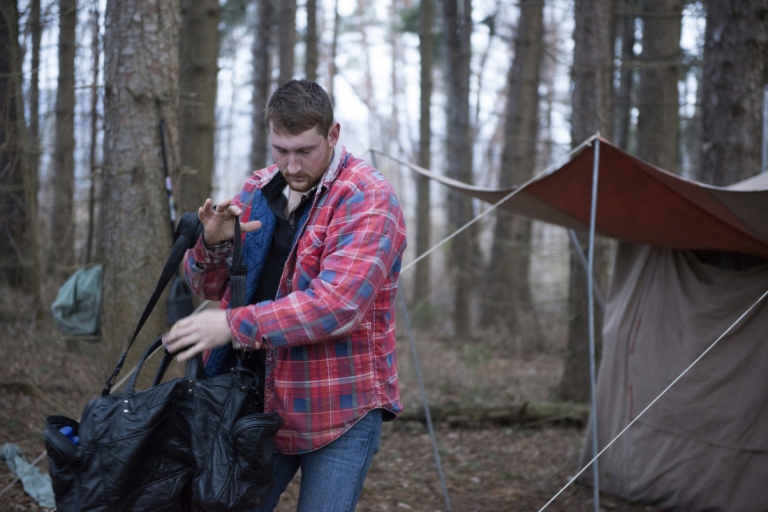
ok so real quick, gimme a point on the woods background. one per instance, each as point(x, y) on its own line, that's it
point(487, 92)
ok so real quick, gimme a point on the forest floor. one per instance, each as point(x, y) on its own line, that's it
point(487, 468)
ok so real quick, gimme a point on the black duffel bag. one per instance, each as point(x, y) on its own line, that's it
point(190, 444)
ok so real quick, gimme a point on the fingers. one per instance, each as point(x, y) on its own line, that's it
point(250, 226)
point(182, 334)
point(224, 209)
point(192, 352)
point(205, 211)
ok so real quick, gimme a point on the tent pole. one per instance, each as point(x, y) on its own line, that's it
point(583, 260)
point(764, 145)
point(591, 308)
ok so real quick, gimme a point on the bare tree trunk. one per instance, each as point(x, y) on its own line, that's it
point(622, 104)
point(35, 148)
point(62, 244)
point(95, 52)
point(548, 72)
point(392, 142)
point(287, 39)
point(18, 205)
point(332, 59)
point(490, 22)
point(592, 69)
point(422, 285)
point(141, 69)
point(735, 43)
point(507, 294)
point(262, 82)
point(311, 41)
point(658, 123)
point(458, 31)
point(365, 14)
point(198, 55)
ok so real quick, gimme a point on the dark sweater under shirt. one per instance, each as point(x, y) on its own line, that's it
point(279, 249)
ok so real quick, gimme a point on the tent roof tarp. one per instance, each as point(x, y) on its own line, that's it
point(640, 203)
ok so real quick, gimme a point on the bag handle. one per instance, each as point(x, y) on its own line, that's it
point(185, 237)
point(193, 371)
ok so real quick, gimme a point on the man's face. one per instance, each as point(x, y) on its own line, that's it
point(303, 158)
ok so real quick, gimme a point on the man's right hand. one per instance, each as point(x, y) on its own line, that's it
point(219, 224)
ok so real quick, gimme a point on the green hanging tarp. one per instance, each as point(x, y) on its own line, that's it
point(77, 308)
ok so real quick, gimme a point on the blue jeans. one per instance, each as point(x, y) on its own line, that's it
point(331, 477)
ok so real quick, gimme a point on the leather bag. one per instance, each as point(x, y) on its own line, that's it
point(190, 444)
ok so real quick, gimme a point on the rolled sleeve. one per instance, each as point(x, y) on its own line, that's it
point(207, 269)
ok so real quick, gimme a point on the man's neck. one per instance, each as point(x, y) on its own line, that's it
point(294, 200)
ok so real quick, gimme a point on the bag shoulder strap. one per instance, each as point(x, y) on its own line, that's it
point(187, 233)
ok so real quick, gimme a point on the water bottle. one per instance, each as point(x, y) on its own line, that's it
point(67, 431)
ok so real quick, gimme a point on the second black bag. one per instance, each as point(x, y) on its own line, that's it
point(192, 443)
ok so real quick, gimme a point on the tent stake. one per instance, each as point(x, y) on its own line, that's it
point(591, 308)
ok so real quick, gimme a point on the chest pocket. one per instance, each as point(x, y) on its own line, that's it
point(310, 250)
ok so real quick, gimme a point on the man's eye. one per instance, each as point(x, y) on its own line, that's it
point(304, 152)
point(282, 151)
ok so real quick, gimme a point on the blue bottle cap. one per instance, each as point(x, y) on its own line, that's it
point(67, 431)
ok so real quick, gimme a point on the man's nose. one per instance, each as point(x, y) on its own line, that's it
point(293, 163)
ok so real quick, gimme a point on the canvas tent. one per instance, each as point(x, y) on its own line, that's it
point(703, 446)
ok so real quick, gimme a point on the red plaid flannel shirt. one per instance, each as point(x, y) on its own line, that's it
point(330, 334)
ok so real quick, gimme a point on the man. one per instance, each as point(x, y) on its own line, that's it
point(324, 238)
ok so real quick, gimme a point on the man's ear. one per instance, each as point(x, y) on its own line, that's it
point(333, 134)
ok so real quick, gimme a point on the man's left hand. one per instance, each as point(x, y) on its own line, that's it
point(197, 333)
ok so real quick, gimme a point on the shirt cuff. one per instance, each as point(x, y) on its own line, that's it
point(243, 329)
point(206, 255)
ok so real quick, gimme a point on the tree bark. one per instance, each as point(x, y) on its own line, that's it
point(507, 295)
point(735, 69)
point(62, 244)
point(458, 31)
point(311, 41)
point(198, 55)
point(35, 149)
point(90, 253)
point(592, 70)
point(392, 140)
point(18, 205)
point(658, 123)
point(423, 219)
point(334, 44)
point(591, 100)
point(287, 39)
point(262, 82)
point(141, 69)
point(622, 103)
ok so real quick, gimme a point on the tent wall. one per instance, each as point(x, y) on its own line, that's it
point(703, 445)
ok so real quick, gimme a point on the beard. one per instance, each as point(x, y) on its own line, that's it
point(304, 181)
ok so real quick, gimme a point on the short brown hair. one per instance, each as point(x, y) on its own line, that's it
point(297, 106)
